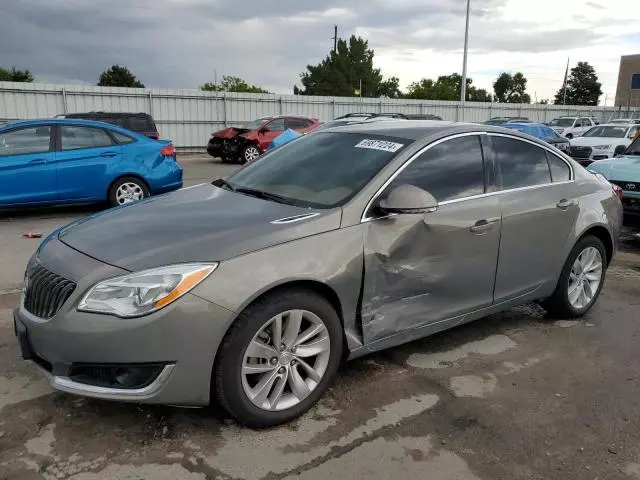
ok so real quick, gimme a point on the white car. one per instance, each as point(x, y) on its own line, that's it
point(600, 142)
point(571, 127)
point(626, 121)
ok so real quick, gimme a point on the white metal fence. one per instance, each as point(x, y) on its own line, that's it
point(189, 116)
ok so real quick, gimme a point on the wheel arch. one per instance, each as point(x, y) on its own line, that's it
point(601, 233)
point(124, 175)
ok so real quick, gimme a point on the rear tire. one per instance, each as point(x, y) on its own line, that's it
point(293, 375)
point(577, 290)
point(126, 190)
point(569, 136)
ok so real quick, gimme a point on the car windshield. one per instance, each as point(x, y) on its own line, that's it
point(322, 170)
point(255, 124)
point(606, 131)
point(561, 122)
point(556, 136)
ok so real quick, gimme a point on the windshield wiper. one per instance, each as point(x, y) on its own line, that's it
point(221, 182)
point(265, 195)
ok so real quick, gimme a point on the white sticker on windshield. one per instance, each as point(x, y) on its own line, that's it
point(379, 145)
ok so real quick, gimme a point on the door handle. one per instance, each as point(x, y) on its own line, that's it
point(37, 161)
point(108, 154)
point(483, 226)
point(564, 204)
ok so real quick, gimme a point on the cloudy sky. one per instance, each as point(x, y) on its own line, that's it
point(181, 43)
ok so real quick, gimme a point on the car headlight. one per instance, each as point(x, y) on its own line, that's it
point(602, 147)
point(141, 293)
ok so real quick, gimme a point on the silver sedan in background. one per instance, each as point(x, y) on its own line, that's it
point(350, 240)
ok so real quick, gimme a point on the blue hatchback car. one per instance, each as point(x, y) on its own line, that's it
point(59, 161)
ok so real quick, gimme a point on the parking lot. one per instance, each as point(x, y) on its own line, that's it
point(512, 396)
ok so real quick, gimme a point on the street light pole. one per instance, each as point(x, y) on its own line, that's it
point(463, 86)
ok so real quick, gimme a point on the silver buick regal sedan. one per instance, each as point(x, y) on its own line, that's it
point(253, 289)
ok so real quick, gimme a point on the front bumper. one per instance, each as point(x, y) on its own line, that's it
point(183, 338)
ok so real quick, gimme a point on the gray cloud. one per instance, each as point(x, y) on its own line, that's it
point(179, 43)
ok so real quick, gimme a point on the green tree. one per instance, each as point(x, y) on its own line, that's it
point(582, 87)
point(344, 71)
point(544, 101)
point(390, 88)
point(232, 84)
point(118, 76)
point(15, 75)
point(511, 88)
point(446, 87)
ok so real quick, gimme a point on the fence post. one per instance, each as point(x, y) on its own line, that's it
point(380, 106)
point(64, 101)
point(490, 110)
point(280, 105)
point(150, 104)
point(333, 108)
point(224, 109)
point(457, 112)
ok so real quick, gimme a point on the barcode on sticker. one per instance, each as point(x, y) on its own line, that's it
point(379, 145)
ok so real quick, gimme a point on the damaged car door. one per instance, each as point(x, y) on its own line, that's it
point(427, 270)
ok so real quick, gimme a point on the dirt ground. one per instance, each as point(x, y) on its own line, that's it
point(512, 396)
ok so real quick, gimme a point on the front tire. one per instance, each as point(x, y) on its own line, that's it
point(249, 153)
point(278, 358)
point(581, 280)
point(126, 190)
point(569, 136)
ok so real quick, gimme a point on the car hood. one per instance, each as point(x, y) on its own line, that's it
point(230, 132)
point(197, 224)
point(619, 168)
point(591, 141)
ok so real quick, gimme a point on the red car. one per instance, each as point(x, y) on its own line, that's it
point(246, 143)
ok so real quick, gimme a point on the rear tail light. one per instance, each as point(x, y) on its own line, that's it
point(617, 190)
point(169, 150)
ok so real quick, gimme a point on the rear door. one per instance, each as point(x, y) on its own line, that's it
point(85, 158)
point(538, 212)
point(27, 166)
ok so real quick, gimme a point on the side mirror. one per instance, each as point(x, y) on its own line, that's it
point(408, 199)
point(619, 150)
point(263, 129)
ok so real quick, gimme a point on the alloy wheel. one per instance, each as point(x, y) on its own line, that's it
point(285, 360)
point(585, 277)
point(129, 192)
point(251, 153)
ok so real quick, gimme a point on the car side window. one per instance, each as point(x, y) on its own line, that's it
point(297, 123)
point(121, 138)
point(450, 170)
point(25, 141)
point(74, 137)
point(276, 125)
point(577, 123)
point(560, 171)
point(521, 164)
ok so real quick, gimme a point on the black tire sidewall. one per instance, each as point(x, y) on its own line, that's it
point(231, 355)
point(563, 283)
point(113, 201)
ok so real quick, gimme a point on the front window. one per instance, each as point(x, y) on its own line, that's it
point(322, 170)
point(562, 122)
point(606, 131)
point(255, 124)
point(634, 148)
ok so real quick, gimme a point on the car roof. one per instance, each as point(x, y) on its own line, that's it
point(420, 129)
point(616, 125)
point(107, 114)
point(62, 121)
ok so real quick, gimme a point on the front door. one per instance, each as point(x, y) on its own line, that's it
point(539, 205)
point(270, 131)
point(27, 167)
point(423, 269)
point(85, 159)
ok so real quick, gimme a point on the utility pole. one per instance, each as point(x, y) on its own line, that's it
point(463, 84)
point(215, 77)
point(335, 39)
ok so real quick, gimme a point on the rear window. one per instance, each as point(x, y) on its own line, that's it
point(140, 124)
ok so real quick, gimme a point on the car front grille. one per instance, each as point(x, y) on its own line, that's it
point(628, 186)
point(45, 291)
point(580, 152)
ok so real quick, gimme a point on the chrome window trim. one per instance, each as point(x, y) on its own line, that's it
point(364, 218)
point(295, 218)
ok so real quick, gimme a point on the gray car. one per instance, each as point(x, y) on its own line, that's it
point(253, 289)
